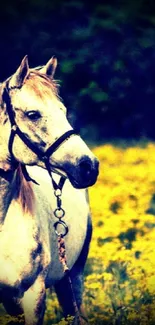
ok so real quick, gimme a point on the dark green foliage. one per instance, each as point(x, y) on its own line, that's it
point(137, 254)
point(129, 235)
point(106, 54)
point(118, 270)
point(151, 209)
point(115, 206)
point(102, 241)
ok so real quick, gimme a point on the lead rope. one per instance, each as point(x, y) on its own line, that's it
point(59, 214)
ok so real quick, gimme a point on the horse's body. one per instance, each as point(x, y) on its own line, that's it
point(29, 261)
point(30, 242)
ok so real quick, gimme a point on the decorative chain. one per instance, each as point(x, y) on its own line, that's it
point(61, 230)
point(59, 214)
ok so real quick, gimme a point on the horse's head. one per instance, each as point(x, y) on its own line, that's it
point(32, 105)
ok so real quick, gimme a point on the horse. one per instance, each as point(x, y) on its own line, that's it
point(37, 145)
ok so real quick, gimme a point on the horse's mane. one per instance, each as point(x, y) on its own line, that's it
point(23, 191)
point(44, 84)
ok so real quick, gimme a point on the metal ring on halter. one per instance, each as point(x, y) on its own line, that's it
point(57, 192)
point(65, 227)
point(59, 213)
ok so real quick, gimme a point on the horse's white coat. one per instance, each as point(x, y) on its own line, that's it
point(28, 244)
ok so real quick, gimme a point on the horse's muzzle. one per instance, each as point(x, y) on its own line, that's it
point(88, 170)
point(85, 173)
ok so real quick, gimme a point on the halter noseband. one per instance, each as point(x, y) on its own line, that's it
point(44, 156)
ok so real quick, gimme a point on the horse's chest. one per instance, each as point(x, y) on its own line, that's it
point(19, 245)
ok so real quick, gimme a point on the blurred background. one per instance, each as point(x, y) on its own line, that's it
point(106, 55)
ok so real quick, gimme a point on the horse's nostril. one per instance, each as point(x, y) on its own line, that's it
point(85, 168)
point(88, 170)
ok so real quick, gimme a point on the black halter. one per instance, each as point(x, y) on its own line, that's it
point(44, 156)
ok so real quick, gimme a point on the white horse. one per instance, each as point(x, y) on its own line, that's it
point(34, 131)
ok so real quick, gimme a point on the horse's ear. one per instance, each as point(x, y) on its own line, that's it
point(50, 67)
point(20, 75)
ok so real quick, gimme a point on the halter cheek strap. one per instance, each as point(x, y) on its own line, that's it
point(44, 156)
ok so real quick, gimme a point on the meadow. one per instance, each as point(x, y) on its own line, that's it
point(119, 275)
point(121, 283)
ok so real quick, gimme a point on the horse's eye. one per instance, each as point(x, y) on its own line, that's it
point(33, 115)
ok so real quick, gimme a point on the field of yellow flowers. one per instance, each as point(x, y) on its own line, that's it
point(120, 284)
point(120, 271)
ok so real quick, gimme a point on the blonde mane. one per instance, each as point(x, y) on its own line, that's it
point(45, 85)
point(23, 191)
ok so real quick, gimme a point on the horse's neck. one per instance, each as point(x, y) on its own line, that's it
point(5, 197)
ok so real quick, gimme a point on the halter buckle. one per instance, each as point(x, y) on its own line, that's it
point(14, 128)
point(57, 192)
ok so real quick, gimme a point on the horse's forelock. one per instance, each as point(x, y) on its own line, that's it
point(23, 192)
point(43, 82)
